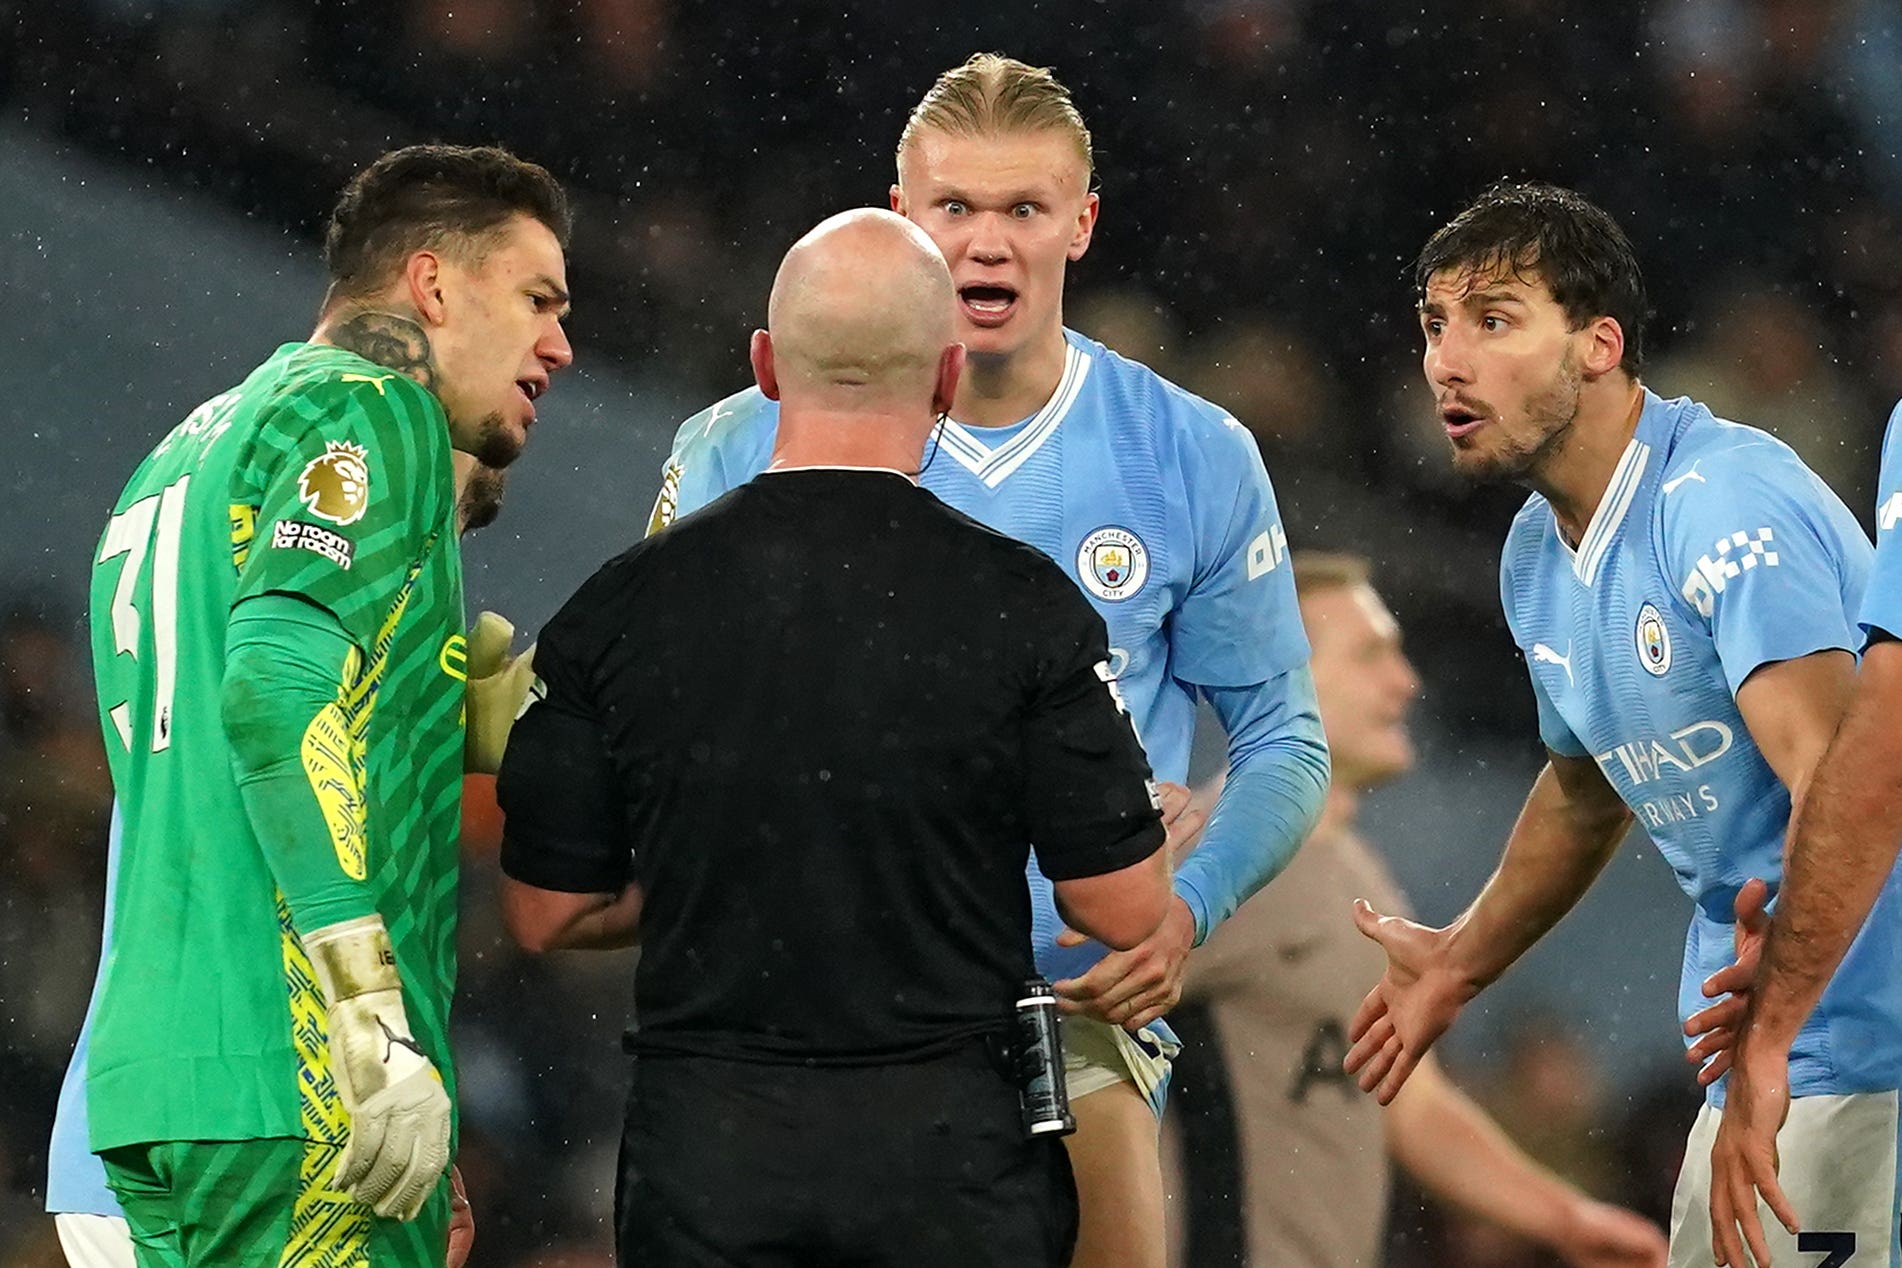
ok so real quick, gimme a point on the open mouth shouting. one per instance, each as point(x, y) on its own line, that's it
point(1461, 420)
point(987, 303)
point(531, 388)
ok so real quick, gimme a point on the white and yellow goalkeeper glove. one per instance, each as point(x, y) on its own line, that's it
point(398, 1148)
point(496, 692)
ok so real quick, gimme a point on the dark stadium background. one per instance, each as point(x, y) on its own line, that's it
point(1268, 167)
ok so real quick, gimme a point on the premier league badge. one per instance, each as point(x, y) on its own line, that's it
point(1112, 563)
point(1654, 641)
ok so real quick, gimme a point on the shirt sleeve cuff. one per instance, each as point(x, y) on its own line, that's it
point(1198, 906)
point(533, 863)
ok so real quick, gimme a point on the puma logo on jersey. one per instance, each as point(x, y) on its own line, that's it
point(715, 416)
point(1692, 474)
point(336, 485)
point(374, 380)
point(1889, 512)
point(1545, 655)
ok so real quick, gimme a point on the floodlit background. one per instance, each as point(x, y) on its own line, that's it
point(1268, 168)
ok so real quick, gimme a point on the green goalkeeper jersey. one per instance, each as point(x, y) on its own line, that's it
point(326, 477)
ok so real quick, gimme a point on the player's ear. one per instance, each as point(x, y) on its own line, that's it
point(1605, 347)
point(422, 276)
point(898, 199)
point(761, 354)
point(950, 370)
point(1085, 227)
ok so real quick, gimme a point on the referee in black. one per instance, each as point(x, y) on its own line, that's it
point(798, 744)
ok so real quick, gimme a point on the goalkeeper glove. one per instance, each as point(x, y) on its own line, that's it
point(497, 692)
point(398, 1146)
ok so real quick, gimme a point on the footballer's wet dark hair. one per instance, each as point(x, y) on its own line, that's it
point(1543, 233)
point(450, 198)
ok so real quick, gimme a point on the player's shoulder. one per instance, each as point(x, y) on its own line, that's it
point(1522, 556)
point(338, 380)
point(1166, 404)
point(1186, 432)
point(591, 611)
point(1709, 448)
point(1530, 533)
point(1889, 476)
point(745, 417)
point(1718, 469)
point(1892, 446)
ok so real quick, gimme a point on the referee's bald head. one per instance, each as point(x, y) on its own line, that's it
point(861, 314)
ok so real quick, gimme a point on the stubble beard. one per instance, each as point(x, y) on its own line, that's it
point(1548, 420)
point(488, 440)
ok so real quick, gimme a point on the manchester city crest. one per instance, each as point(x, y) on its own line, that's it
point(1654, 641)
point(1112, 563)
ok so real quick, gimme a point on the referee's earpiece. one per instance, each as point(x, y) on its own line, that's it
point(932, 454)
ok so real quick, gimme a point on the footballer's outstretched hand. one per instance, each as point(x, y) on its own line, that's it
point(398, 1146)
point(1715, 1028)
point(497, 689)
point(1412, 1005)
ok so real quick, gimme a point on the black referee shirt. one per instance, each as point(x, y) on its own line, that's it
point(820, 723)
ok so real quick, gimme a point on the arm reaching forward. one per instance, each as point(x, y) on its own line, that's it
point(1571, 824)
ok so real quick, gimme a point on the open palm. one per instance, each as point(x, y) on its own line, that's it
point(1412, 1005)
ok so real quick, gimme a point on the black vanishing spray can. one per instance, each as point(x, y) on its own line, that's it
point(1042, 1092)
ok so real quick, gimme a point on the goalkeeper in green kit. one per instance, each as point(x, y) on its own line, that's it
point(277, 640)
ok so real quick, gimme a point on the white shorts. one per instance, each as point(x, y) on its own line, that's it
point(1097, 1055)
point(94, 1241)
point(1837, 1165)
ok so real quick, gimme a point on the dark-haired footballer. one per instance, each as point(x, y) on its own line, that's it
point(278, 647)
point(1685, 592)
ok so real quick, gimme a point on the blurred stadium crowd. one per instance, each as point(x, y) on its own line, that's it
point(1268, 167)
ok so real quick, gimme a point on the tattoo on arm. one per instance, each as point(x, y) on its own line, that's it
point(389, 340)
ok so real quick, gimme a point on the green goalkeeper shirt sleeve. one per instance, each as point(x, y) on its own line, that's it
point(292, 752)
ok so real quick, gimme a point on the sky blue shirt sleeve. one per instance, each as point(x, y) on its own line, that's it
point(1553, 731)
point(1882, 602)
point(1239, 624)
point(715, 451)
point(1767, 558)
point(1276, 785)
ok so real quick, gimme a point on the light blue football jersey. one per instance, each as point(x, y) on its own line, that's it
point(1882, 604)
point(1153, 500)
point(75, 1178)
point(1714, 551)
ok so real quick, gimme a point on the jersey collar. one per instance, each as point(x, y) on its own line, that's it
point(994, 465)
point(1605, 522)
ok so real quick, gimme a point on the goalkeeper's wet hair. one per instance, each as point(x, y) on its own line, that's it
point(1538, 232)
point(991, 94)
point(450, 198)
